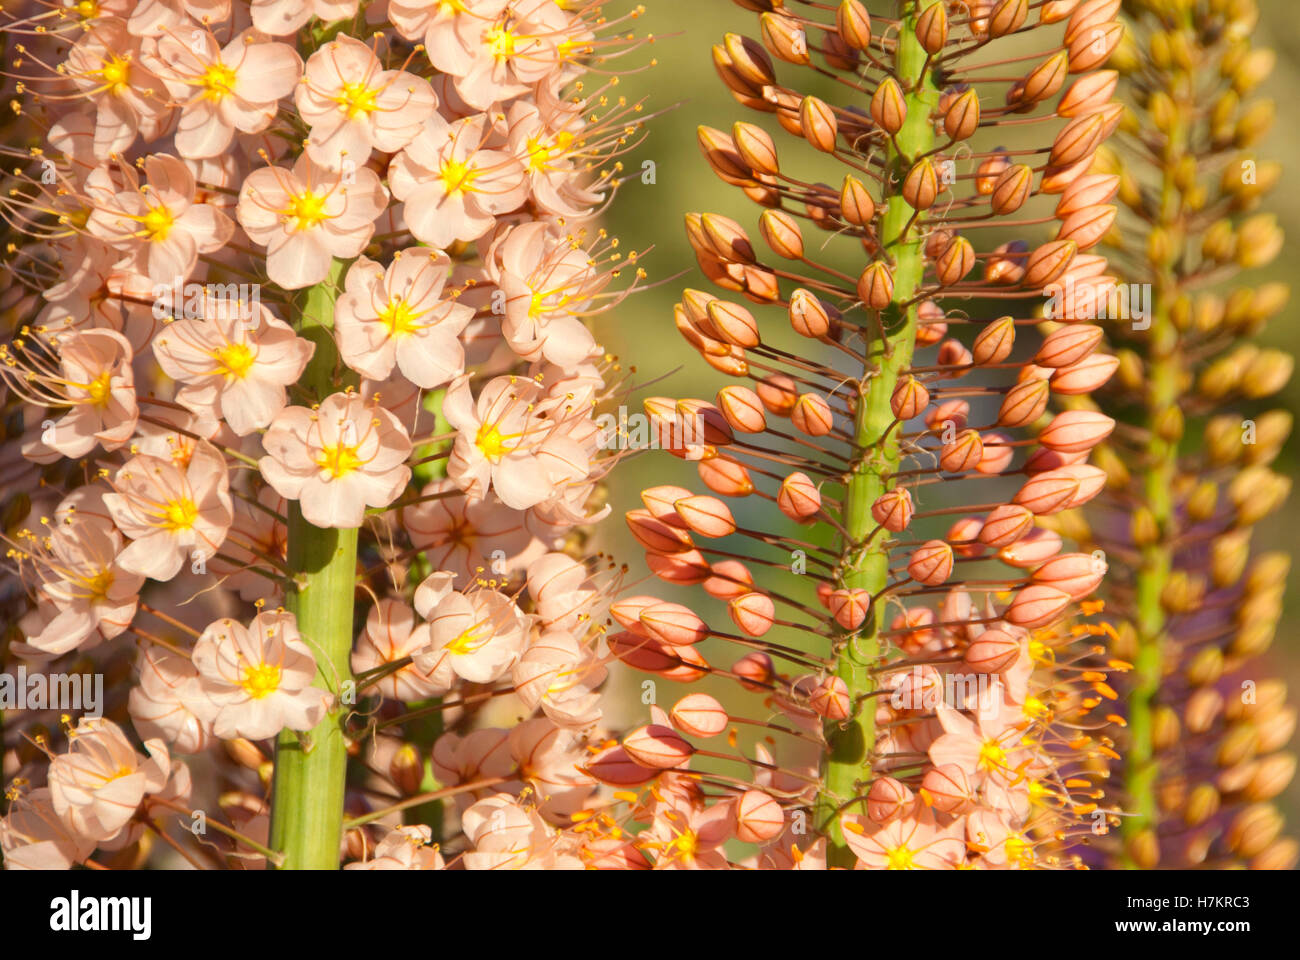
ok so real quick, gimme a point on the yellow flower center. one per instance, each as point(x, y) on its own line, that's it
point(500, 42)
point(261, 681)
point(99, 584)
point(901, 858)
point(87, 9)
point(687, 845)
point(235, 360)
point(114, 72)
point(458, 177)
point(101, 389)
point(308, 209)
point(491, 442)
point(1018, 849)
point(542, 152)
point(158, 223)
point(339, 461)
point(180, 514)
point(399, 318)
point(1034, 708)
point(467, 642)
point(218, 82)
point(992, 756)
point(358, 100)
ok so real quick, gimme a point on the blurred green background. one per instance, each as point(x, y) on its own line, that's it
point(641, 331)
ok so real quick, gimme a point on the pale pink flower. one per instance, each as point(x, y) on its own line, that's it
point(155, 18)
point(498, 58)
point(307, 216)
point(427, 21)
point(257, 680)
point(351, 103)
point(279, 18)
point(160, 227)
point(548, 758)
point(998, 843)
point(561, 677)
point(504, 835)
point(235, 362)
point(548, 284)
point(687, 835)
point(482, 754)
point(504, 443)
point(171, 514)
point(93, 376)
point(913, 842)
point(469, 537)
point(163, 705)
point(548, 138)
point(82, 580)
point(99, 784)
point(32, 837)
point(81, 298)
point(559, 587)
point(255, 534)
point(391, 634)
point(404, 848)
point(107, 66)
point(475, 635)
point(452, 186)
point(397, 317)
point(338, 459)
point(989, 749)
point(225, 89)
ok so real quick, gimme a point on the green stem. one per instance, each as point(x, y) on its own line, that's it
point(866, 564)
point(1164, 370)
point(311, 769)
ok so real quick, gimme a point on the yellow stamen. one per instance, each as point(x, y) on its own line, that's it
point(307, 208)
point(358, 100)
point(235, 360)
point(218, 82)
point(339, 461)
point(458, 177)
point(180, 514)
point(261, 681)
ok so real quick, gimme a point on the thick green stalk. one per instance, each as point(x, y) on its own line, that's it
point(311, 769)
point(865, 563)
point(1160, 469)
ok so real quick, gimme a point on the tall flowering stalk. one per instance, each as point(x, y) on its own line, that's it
point(304, 364)
point(1189, 470)
point(908, 620)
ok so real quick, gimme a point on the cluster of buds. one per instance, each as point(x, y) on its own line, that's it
point(873, 541)
point(1190, 475)
point(299, 342)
